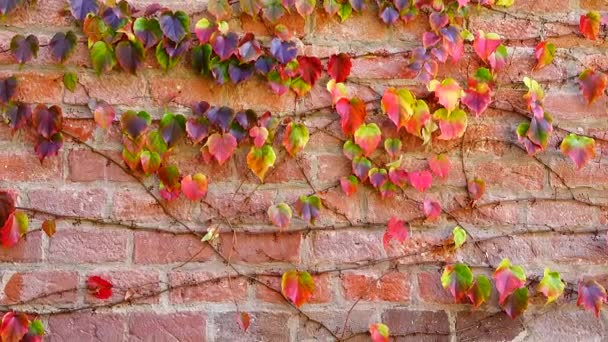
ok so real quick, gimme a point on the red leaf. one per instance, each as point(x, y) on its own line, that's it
point(395, 230)
point(339, 67)
point(440, 165)
point(7, 206)
point(476, 188)
point(544, 53)
point(432, 209)
point(507, 279)
point(421, 180)
point(591, 295)
point(47, 121)
point(221, 146)
point(194, 187)
point(14, 227)
point(379, 332)
point(593, 84)
point(14, 327)
point(297, 286)
point(352, 114)
point(349, 185)
point(99, 287)
point(589, 25)
point(309, 69)
point(243, 320)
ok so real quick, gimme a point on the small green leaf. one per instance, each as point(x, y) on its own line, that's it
point(551, 285)
point(460, 236)
point(102, 57)
point(70, 80)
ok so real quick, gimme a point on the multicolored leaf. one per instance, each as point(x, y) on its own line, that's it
point(104, 114)
point(544, 53)
point(8, 88)
point(48, 147)
point(47, 121)
point(476, 188)
point(507, 279)
point(308, 207)
point(283, 51)
point(23, 49)
point(99, 287)
point(194, 187)
point(393, 147)
point(280, 215)
point(516, 303)
point(551, 285)
point(150, 162)
point(431, 209)
point(379, 332)
point(368, 137)
point(148, 31)
point(14, 327)
point(172, 128)
point(485, 44)
point(221, 146)
point(421, 180)
point(452, 124)
point(352, 114)
point(448, 93)
point(593, 84)
point(63, 45)
point(591, 296)
point(175, 25)
point(480, 291)
point(14, 228)
point(580, 149)
point(80, 8)
point(296, 138)
point(457, 279)
point(297, 286)
point(589, 24)
point(398, 104)
point(102, 57)
point(349, 185)
point(19, 114)
point(377, 177)
point(130, 55)
point(440, 165)
point(395, 230)
point(260, 159)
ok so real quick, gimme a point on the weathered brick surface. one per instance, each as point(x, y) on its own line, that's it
point(169, 286)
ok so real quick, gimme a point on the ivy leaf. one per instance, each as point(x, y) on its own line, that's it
point(134, 123)
point(80, 8)
point(225, 45)
point(544, 53)
point(480, 291)
point(579, 148)
point(48, 147)
point(331, 7)
point(260, 160)
point(169, 177)
point(243, 320)
point(515, 304)
point(476, 188)
point(551, 285)
point(251, 7)
point(485, 44)
point(70, 80)
point(459, 236)
point(478, 95)
point(309, 68)
point(398, 176)
point(220, 9)
point(589, 25)
point(379, 332)
point(421, 180)
point(15, 226)
point(377, 177)
point(14, 327)
point(99, 287)
point(305, 7)
point(395, 230)
point(24, 49)
point(351, 150)
point(308, 208)
point(249, 50)
point(540, 129)
point(389, 15)
point(592, 83)
point(104, 114)
point(272, 10)
point(398, 105)
point(102, 57)
point(393, 147)
point(194, 187)
point(507, 279)
point(221, 117)
point(498, 59)
point(297, 286)
point(457, 279)
point(280, 215)
point(591, 295)
point(452, 124)
point(165, 61)
point(352, 114)
point(259, 135)
point(349, 185)
point(19, 115)
point(7, 6)
point(130, 55)
point(296, 138)
point(361, 167)
point(440, 165)
point(448, 93)
point(148, 31)
point(221, 146)
point(49, 227)
point(283, 51)
point(47, 121)
point(368, 137)
point(8, 88)
point(172, 128)
point(197, 129)
point(150, 162)
point(432, 209)
point(175, 25)
point(339, 67)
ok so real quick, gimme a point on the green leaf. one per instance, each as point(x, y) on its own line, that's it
point(457, 279)
point(296, 138)
point(70, 80)
point(36, 328)
point(102, 57)
point(480, 291)
point(460, 236)
point(551, 285)
point(260, 160)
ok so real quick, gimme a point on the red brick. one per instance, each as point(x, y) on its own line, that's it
point(181, 326)
point(330, 168)
point(346, 246)
point(86, 203)
point(184, 91)
point(139, 286)
point(563, 214)
point(188, 159)
point(85, 326)
point(430, 289)
point(359, 320)
point(28, 249)
point(249, 205)
point(506, 27)
point(419, 325)
point(87, 166)
point(258, 248)
point(155, 248)
point(26, 166)
point(42, 287)
point(385, 68)
point(88, 247)
point(357, 28)
point(82, 129)
point(546, 6)
point(192, 287)
point(381, 210)
point(140, 206)
point(392, 287)
point(578, 325)
point(116, 88)
point(571, 106)
point(593, 175)
point(38, 87)
point(256, 94)
point(485, 326)
point(337, 208)
point(512, 175)
point(294, 23)
point(265, 326)
point(596, 5)
point(321, 294)
point(47, 13)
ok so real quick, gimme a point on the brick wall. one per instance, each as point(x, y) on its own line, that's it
point(181, 288)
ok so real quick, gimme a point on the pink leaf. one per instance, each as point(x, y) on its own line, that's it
point(396, 230)
point(421, 180)
point(432, 209)
point(194, 187)
point(440, 165)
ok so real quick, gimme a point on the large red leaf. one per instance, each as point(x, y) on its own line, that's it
point(440, 165)
point(395, 230)
point(352, 114)
point(592, 83)
point(99, 287)
point(485, 44)
point(579, 148)
point(297, 286)
point(421, 180)
point(368, 137)
point(14, 327)
point(339, 67)
point(589, 25)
